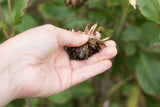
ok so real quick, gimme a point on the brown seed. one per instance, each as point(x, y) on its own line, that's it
point(88, 49)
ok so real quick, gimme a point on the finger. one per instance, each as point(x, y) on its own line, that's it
point(68, 38)
point(106, 53)
point(98, 35)
point(89, 71)
point(110, 43)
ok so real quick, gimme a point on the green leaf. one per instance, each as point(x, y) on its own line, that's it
point(150, 34)
point(5, 11)
point(113, 2)
point(131, 62)
point(55, 10)
point(19, 9)
point(17, 103)
point(61, 98)
point(81, 90)
point(131, 33)
point(130, 48)
point(27, 23)
point(150, 31)
point(9, 105)
point(150, 9)
point(148, 74)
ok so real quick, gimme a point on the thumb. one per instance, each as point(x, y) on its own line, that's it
point(67, 38)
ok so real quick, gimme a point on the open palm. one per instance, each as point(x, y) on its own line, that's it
point(44, 68)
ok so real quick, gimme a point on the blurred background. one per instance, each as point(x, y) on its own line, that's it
point(134, 79)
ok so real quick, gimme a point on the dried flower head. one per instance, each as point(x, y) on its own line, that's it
point(88, 49)
point(75, 3)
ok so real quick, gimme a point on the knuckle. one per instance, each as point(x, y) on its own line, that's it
point(48, 25)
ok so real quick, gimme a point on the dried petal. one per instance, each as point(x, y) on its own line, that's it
point(133, 3)
point(75, 3)
point(88, 49)
point(67, 2)
point(92, 29)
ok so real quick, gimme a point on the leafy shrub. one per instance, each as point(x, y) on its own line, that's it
point(134, 79)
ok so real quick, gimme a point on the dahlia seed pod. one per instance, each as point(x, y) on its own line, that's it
point(88, 49)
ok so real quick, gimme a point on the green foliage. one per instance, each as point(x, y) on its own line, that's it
point(18, 10)
point(132, 33)
point(54, 9)
point(148, 71)
point(150, 33)
point(27, 22)
point(33, 102)
point(150, 9)
point(135, 76)
point(81, 90)
point(12, 12)
point(61, 98)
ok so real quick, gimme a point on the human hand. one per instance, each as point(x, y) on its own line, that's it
point(38, 66)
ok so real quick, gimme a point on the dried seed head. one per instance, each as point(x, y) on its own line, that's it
point(88, 49)
point(75, 3)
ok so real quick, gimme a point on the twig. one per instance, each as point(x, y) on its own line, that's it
point(5, 31)
point(120, 84)
point(10, 17)
point(27, 102)
point(107, 3)
point(153, 47)
point(2, 15)
point(120, 26)
point(105, 84)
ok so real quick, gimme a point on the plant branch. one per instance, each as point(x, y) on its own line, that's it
point(153, 47)
point(120, 25)
point(125, 10)
point(5, 31)
point(2, 15)
point(10, 17)
point(27, 102)
point(105, 84)
point(119, 85)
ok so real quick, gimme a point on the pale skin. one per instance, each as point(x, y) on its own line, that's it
point(34, 63)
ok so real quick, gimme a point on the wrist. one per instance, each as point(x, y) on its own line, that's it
point(8, 80)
